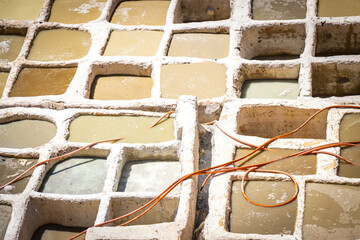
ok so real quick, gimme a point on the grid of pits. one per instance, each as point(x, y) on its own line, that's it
point(321, 177)
point(305, 55)
point(153, 54)
point(98, 183)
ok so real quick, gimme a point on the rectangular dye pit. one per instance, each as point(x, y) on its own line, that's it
point(11, 168)
point(203, 80)
point(336, 39)
point(205, 10)
point(149, 175)
point(59, 44)
point(10, 46)
point(275, 42)
point(270, 88)
point(268, 122)
point(5, 216)
point(77, 175)
point(118, 87)
point(26, 133)
point(338, 8)
point(302, 165)
point(349, 131)
point(65, 213)
point(335, 79)
point(135, 128)
point(42, 81)
point(278, 10)
point(164, 211)
point(3, 79)
point(56, 232)
point(133, 43)
point(201, 45)
point(331, 212)
point(141, 13)
point(76, 11)
point(20, 9)
point(246, 217)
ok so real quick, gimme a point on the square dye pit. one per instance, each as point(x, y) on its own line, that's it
point(338, 8)
point(278, 10)
point(56, 232)
point(10, 46)
point(141, 13)
point(76, 11)
point(271, 121)
point(335, 79)
point(135, 128)
point(164, 211)
point(5, 216)
point(302, 165)
point(11, 168)
point(133, 43)
point(118, 87)
point(337, 39)
point(283, 42)
point(76, 175)
point(331, 212)
point(26, 133)
point(203, 80)
point(59, 44)
point(270, 88)
point(42, 81)
point(20, 9)
point(246, 217)
point(149, 176)
point(349, 131)
point(201, 45)
point(204, 10)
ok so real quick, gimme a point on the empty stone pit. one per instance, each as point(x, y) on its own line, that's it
point(268, 122)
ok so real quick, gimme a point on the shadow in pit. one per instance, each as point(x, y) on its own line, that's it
point(202, 206)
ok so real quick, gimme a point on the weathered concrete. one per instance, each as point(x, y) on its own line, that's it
point(322, 53)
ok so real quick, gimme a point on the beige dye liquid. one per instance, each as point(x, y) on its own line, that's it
point(295, 165)
point(331, 212)
point(76, 11)
point(338, 8)
point(278, 10)
point(56, 232)
point(10, 46)
point(246, 217)
point(141, 13)
point(349, 131)
point(134, 128)
point(20, 9)
point(133, 43)
point(270, 88)
point(76, 176)
point(3, 79)
point(12, 167)
point(26, 133)
point(149, 175)
point(42, 81)
point(59, 44)
point(121, 87)
point(203, 80)
point(5, 216)
point(202, 45)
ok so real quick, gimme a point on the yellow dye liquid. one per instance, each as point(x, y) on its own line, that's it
point(59, 44)
point(136, 129)
point(141, 13)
